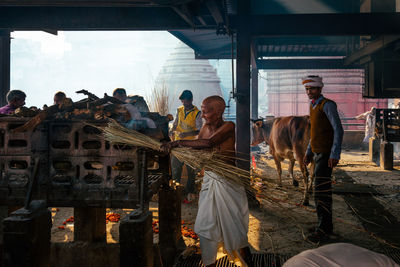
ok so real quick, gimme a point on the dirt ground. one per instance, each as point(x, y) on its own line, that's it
point(279, 226)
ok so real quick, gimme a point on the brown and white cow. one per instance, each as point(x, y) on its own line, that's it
point(287, 138)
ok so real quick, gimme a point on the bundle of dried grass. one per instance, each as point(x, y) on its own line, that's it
point(159, 100)
point(194, 158)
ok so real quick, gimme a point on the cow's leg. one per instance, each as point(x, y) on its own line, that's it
point(306, 184)
point(291, 166)
point(278, 169)
point(299, 154)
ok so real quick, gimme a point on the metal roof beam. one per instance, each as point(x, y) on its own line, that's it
point(200, 18)
point(77, 3)
point(275, 64)
point(226, 48)
point(301, 40)
point(185, 15)
point(90, 18)
point(372, 47)
point(216, 56)
point(215, 12)
point(301, 54)
point(320, 24)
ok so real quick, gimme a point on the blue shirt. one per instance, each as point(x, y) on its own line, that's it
point(331, 113)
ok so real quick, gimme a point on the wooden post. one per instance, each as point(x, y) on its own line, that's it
point(386, 156)
point(90, 224)
point(27, 234)
point(136, 240)
point(373, 151)
point(169, 212)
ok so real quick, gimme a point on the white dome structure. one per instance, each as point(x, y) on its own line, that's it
point(183, 72)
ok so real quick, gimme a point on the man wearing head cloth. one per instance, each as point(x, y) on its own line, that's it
point(223, 215)
point(324, 148)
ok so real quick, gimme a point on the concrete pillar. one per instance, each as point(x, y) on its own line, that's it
point(136, 240)
point(243, 39)
point(26, 236)
point(90, 224)
point(4, 65)
point(373, 152)
point(386, 155)
point(169, 213)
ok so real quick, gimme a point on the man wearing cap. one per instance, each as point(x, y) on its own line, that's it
point(324, 148)
point(186, 126)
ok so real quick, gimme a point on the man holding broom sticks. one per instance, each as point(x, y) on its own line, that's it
point(223, 215)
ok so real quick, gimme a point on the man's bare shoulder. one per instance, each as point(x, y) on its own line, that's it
point(229, 124)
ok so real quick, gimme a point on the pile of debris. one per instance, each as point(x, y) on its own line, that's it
point(94, 108)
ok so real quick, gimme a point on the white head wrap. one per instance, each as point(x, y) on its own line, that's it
point(313, 81)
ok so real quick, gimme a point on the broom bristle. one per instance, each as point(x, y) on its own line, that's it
point(197, 159)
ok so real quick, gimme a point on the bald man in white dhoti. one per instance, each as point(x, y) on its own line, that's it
point(223, 215)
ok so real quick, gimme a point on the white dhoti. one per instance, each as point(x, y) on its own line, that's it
point(223, 217)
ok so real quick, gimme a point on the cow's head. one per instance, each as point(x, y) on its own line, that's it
point(256, 132)
point(260, 130)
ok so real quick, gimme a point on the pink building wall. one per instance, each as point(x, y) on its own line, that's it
point(286, 95)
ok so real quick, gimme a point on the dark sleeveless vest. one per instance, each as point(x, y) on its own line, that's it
point(321, 129)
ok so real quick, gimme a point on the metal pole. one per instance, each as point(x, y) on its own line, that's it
point(4, 65)
point(143, 181)
point(254, 91)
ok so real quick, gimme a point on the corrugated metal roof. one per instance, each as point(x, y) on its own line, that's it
point(206, 43)
point(211, 46)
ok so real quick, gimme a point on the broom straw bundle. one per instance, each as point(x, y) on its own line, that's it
point(212, 161)
point(194, 158)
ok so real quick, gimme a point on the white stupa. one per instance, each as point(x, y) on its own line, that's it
point(183, 72)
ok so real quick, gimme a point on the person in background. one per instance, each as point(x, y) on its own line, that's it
point(137, 101)
point(186, 126)
point(369, 117)
point(325, 148)
point(59, 97)
point(136, 119)
point(15, 99)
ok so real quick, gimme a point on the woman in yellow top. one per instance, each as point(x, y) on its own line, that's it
point(186, 126)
